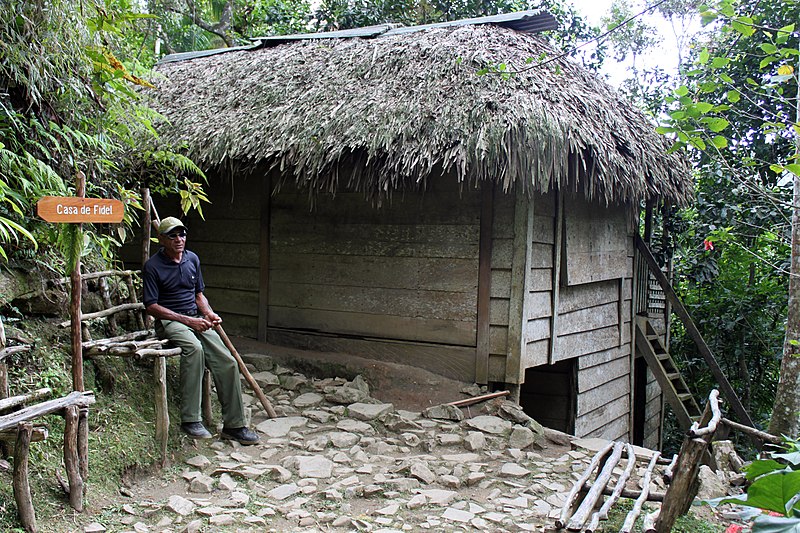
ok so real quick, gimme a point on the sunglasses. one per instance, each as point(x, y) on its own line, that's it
point(175, 235)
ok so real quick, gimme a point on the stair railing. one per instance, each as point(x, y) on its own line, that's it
point(691, 329)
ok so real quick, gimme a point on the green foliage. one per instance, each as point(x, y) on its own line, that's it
point(774, 489)
point(68, 106)
point(732, 112)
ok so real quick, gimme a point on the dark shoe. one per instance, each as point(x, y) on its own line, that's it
point(245, 436)
point(195, 430)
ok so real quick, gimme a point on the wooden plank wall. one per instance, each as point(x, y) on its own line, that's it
point(653, 412)
point(502, 252)
point(588, 325)
point(227, 243)
point(406, 272)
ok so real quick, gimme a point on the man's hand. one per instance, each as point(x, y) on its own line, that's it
point(199, 324)
point(214, 318)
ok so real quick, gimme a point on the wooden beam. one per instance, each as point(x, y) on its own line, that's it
point(683, 487)
point(263, 257)
point(7, 404)
point(694, 333)
point(520, 271)
point(77, 398)
point(484, 282)
point(11, 350)
point(558, 239)
point(108, 312)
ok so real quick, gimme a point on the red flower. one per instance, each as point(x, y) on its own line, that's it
point(734, 528)
point(708, 245)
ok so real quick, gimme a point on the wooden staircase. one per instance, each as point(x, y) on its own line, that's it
point(660, 362)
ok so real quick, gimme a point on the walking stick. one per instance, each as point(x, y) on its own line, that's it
point(246, 373)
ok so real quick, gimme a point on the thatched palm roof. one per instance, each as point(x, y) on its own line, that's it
point(391, 112)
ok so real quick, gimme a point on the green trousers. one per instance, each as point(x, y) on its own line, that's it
point(198, 351)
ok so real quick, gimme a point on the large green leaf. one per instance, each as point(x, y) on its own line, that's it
point(776, 524)
point(792, 458)
point(759, 468)
point(774, 491)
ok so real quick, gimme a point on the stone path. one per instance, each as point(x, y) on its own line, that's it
point(338, 460)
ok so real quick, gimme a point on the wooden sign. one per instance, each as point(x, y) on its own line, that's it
point(76, 209)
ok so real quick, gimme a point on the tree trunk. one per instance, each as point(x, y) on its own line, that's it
point(786, 410)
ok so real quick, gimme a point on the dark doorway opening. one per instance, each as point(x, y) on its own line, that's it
point(639, 400)
point(549, 395)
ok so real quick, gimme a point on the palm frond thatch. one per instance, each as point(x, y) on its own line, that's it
point(378, 115)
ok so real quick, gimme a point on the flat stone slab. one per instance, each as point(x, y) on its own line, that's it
point(282, 492)
point(180, 505)
point(280, 427)
point(369, 411)
point(457, 515)
point(493, 425)
point(513, 470)
point(308, 399)
point(355, 426)
point(439, 496)
point(463, 458)
point(315, 466)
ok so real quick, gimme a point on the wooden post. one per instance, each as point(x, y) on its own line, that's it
point(71, 461)
point(147, 225)
point(75, 303)
point(105, 293)
point(83, 445)
point(520, 273)
point(264, 257)
point(22, 489)
point(4, 390)
point(558, 238)
point(484, 283)
point(208, 415)
point(161, 406)
point(684, 484)
point(133, 301)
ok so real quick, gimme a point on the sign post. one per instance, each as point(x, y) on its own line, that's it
point(77, 210)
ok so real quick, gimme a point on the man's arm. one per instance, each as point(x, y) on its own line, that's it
point(205, 309)
point(162, 313)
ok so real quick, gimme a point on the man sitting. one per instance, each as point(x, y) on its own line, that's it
point(173, 295)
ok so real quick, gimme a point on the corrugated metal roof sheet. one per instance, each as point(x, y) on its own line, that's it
point(532, 21)
point(182, 56)
point(365, 32)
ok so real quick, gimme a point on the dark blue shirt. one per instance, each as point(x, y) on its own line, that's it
point(173, 285)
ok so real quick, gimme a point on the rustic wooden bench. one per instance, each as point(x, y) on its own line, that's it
point(16, 423)
point(141, 344)
point(680, 474)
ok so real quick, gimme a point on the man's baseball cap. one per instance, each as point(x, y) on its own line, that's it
point(168, 224)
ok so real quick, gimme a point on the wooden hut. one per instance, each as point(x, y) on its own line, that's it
point(374, 194)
